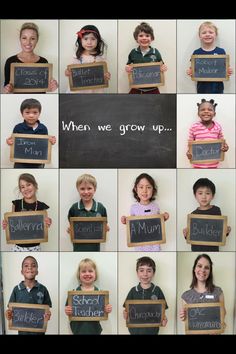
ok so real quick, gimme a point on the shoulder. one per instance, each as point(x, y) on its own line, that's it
point(216, 210)
point(185, 296)
point(16, 201)
point(42, 60)
point(131, 294)
point(217, 125)
point(219, 50)
point(99, 58)
point(42, 127)
point(101, 206)
point(42, 206)
point(12, 59)
point(197, 51)
point(218, 290)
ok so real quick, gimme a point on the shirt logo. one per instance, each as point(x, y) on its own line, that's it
point(153, 297)
point(40, 297)
point(153, 57)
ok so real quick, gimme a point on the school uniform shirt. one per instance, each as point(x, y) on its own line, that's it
point(37, 295)
point(23, 128)
point(21, 205)
point(88, 59)
point(198, 131)
point(138, 209)
point(210, 86)
point(85, 327)
point(193, 297)
point(152, 293)
point(215, 210)
point(78, 209)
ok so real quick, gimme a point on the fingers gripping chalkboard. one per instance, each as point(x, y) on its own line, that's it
point(26, 227)
point(148, 230)
point(205, 151)
point(88, 305)
point(210, 67)
point(88, 230)
point(204, 318)
point(28, 317)
point(207, 229)
point(117, 131)
point(145, 313)
point(32, 77)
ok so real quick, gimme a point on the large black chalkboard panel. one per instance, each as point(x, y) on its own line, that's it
point(119, 131)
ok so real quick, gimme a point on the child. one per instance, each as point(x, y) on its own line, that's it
point(29, 36)
point(143, 34)
point(144, 192)
point(30, 291)
point(30, 110)
point(145, 290)
point(90, 49)
point(86, 185)
point(207, 34)
point(204, 191)
point(202, 286)
point(28, 187)
point(206, 129)
point(86, 275)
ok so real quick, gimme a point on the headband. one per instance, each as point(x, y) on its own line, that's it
point(83, 31)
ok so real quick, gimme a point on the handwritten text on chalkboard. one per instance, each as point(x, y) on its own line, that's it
point(88, 230)
point(145, 313)
point(146, 75)
point(205, 151)
point(210, 67)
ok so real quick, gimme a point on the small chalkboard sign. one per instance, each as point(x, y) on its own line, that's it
point(26, 227)
point(207, 229)
point(145, 230)
point(31, 77)
point(88, 305)
point(205, 151)
point(210, 67)
point(87, 76)
point(30, 148)
point(88, 229)
point(146, 75)
point(28, 317)
point(145, 313)
point(204, 318)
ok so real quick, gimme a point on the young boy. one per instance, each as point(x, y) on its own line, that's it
point(143, 34)
point(204, 191)
point(206, 129)
point(207, 33)
point(29, 291)
point(86, 185)
point(145, 290)
point(30, 110)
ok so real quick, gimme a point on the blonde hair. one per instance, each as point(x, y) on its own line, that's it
point(30, 26)
point(87, 262)
point(208, 24)
point(86, 178)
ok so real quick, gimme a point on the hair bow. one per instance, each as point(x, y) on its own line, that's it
point(83, 31)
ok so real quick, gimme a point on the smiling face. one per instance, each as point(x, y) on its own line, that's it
point(206, 113)
point(207, 35)
point(31, 116)
point(204, 197)
point(29, 268)
point(87, 275)
point(28, 40)
point(28, 190)
point(145, 274)
point(202, 270)
point(144, 191)
point(144, 40)
point(86, 191)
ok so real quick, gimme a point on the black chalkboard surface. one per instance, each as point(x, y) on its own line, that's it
point(204, 318)
point(145, 313)
point(207, 229)
point(117, 131)
point(146, 75)
point(28, 317)
point(205, 151)
point(30, 148)
point(87, 76)
point(88, 230)
point(145, 230)
point(31, 77)
point(210, 67)
point(26, 227)
point(88, 305)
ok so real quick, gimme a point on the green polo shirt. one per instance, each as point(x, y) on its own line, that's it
point(78, 209)
point(85, 327)
point(136, 56)
point(37, 295)
point(152, 293)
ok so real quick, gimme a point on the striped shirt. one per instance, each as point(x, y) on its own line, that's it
point(138, 209)
point(199, 131)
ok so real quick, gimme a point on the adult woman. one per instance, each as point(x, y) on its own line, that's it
point(29, 35)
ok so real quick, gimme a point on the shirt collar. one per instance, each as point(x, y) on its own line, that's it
point(82, 207)
point(139, 288)
point(21, 285)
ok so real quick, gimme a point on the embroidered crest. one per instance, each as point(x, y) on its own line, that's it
point(153, 57)
point(153, 297)
point(40, 297)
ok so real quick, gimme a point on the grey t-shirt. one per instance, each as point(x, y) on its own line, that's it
point(192, 296)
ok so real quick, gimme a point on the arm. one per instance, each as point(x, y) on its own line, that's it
point(9, 141)
point(164, 321)
point(48, 221)
point(189, 71)
point(125, 314)
point(230, 71)
point(8, 87)
point(222, 300)
point(183, 312)
point(163, 68)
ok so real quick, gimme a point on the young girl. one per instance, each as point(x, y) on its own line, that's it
point(29, 36)
point(144, 192)
point(90, 49)
point(206, 129)
point(143, 34)
point(202, 286)
point(86, 275)
point(28, 188)
point(207, 33)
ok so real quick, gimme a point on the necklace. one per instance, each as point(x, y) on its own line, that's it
point(22, 205)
